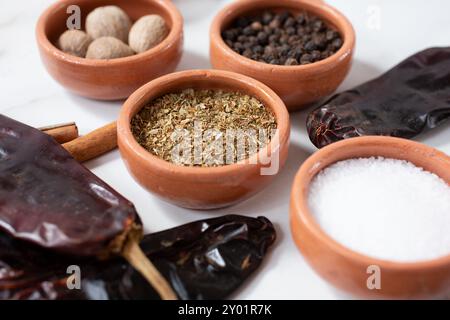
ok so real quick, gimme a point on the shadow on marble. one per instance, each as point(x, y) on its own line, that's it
point(360, 72)
point(105, 110)
point(191, 60)
point(103, 159)
point(192, 11)
point(437, 137)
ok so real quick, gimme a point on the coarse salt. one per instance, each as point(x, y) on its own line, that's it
point(384, 208)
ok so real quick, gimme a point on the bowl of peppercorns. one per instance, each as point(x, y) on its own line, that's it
point(302, 49)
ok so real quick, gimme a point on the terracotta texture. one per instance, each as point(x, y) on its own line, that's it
point(346, 269)
point(196, 187)
point(298, 86)
point(116, 78)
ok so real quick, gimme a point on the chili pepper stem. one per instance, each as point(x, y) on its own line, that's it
point(133, 253)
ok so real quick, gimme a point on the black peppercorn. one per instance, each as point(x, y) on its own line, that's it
point(290, 31)
point(306, 58)
point(258, 50)
point(275, 24)
point(267, 17)
point(315, 55)
point(284, 39)
point(247, 53)
point(290, 22)
point(238, 47)
point(263, 38)
point(310, 46)
point(257, 26)
point(248, 31)
point(291, 62)
point(337, 43)
point(242, 38)
point(242, 22)
point(283, 16)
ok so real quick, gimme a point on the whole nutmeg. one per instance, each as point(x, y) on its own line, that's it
point(108, 21)
point(147, 32)
point(74, 42)
point(108, 48)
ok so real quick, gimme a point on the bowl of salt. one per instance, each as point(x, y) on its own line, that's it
point(371, 216)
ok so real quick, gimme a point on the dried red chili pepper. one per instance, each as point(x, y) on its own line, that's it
point(48, 199)
point(206, 259)
point(407, 100)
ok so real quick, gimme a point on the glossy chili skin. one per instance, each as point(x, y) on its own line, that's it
point(207, 259)
point(409, 99)
point(47, 198)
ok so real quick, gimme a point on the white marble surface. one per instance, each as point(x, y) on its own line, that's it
point(28, 94)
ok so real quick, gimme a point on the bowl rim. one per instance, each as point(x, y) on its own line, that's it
point(169, 41)
point(343, 25)
point(126, 137)
point(300, 210)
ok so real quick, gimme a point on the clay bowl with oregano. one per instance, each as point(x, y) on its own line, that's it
point(403, 274)
point(204, 139)
point(120, 45)
point(302, 49)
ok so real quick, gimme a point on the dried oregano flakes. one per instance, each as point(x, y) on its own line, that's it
point(204, 127)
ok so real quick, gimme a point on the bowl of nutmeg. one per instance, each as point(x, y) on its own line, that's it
point(106, 49)
point(302, 49)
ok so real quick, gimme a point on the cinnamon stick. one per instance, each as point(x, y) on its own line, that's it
point(93, 144)
point(62, 133)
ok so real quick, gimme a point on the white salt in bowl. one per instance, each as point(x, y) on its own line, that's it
point(346, 269)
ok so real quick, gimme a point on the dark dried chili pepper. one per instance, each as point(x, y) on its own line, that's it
point(407, 100)
point(49, 199)
point(205, 259)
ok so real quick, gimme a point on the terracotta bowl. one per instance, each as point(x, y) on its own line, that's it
point(200, 187)
point(298, 86)
point(116, 78)
point(346, 269)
